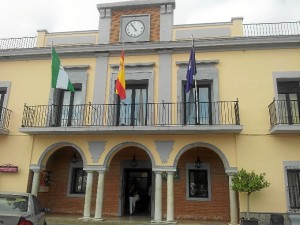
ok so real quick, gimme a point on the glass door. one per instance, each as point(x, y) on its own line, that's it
point(133, 110)
point(68, 111)
point(198, 106)
point(288, 102)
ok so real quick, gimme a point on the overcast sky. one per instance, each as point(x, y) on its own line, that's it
point(22, 18)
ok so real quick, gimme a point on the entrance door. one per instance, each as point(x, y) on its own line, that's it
point(142, 178)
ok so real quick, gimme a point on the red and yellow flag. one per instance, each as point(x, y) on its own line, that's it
point(120, 84)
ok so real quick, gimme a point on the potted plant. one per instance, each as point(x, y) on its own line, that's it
point(248, 182)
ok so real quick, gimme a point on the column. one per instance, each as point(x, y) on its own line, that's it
point(158, 199)
point(99, 199)
point(170, 197)
point(233, 203)
point(35, 182)
point(88, 195)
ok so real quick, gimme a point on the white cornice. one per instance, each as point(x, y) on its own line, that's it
point(139, 3)
point(148, 48)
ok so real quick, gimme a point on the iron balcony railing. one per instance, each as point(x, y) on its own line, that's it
point(271, 29)
point(4, 118)
point(146, 114)
point(284, 112)
point(18, 43)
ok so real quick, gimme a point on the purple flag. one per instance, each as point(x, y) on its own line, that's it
point(191, 71)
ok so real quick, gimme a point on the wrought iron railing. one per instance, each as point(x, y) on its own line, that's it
point(271, 29)
point(18, 43)
point(284, 112)
point(147, 114)
point(4, 118)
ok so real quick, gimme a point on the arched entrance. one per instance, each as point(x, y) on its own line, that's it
point(202, 192)
point(129, 164)
point(61, 179)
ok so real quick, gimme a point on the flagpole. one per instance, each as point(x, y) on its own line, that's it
point(196, 92)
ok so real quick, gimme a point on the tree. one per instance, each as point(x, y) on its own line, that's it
point(248, 182)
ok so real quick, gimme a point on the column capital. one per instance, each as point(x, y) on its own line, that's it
point(35, 168)
point(99, 169)
point(231, 171)
point(165, 169)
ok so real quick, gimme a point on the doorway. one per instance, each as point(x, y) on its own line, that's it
point(142, 179)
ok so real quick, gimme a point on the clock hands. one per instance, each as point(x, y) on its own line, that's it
point(133, 27)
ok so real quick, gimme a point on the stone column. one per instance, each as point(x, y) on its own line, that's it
point(158, 199)
point(35, 182)
point(99, 199)
point(233, 203)
point(170, 197)
point(88, 195)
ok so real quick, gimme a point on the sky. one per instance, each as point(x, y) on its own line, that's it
point(22, 18)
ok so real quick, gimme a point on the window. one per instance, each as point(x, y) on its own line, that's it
point(293, 187)
point(198, 112)
point(288, 102)
point(133, 110)
point(198, 185)
point(78, 183)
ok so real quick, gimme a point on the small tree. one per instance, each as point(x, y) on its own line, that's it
point(248, 182)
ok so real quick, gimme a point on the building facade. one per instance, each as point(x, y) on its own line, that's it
point(80, 151)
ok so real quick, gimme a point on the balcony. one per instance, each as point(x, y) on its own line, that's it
point(4, 120)
point(271, 29)
point(147, 118)
point(284, 116)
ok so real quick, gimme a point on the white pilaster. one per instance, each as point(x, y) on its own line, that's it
point(88, 195)
point(170, 197)
point(99, 199)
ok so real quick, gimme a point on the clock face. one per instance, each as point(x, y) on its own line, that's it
point(135, 28)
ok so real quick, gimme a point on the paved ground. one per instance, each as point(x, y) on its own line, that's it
point(137, 220)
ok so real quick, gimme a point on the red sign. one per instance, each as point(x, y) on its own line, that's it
point(9, 168)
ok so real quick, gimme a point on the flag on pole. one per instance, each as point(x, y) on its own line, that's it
point(60, 78)
point(191, 70)
point(120, 84)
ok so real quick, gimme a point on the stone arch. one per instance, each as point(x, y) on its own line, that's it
point(52, 148)
point(206, 145)
point(120, 146)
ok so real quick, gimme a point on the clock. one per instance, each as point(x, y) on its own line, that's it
point(135, 28)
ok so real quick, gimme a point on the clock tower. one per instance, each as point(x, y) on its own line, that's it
point(136, 21)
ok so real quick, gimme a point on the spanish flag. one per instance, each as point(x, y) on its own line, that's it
point(120, 84)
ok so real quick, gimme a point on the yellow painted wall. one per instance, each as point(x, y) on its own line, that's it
point(246, 75)
point(16, 151)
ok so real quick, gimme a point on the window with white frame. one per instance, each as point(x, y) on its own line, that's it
point(198, 182)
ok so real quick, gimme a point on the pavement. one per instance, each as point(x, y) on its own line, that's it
point(130, 220)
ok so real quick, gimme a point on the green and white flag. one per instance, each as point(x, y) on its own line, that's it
point(60, 78)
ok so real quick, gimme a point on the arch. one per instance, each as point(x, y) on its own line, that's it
point(52, 148)
point(120, 146)
point(206, 145)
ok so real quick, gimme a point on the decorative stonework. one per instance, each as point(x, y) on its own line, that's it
point(164, 148)
point(96, 148)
